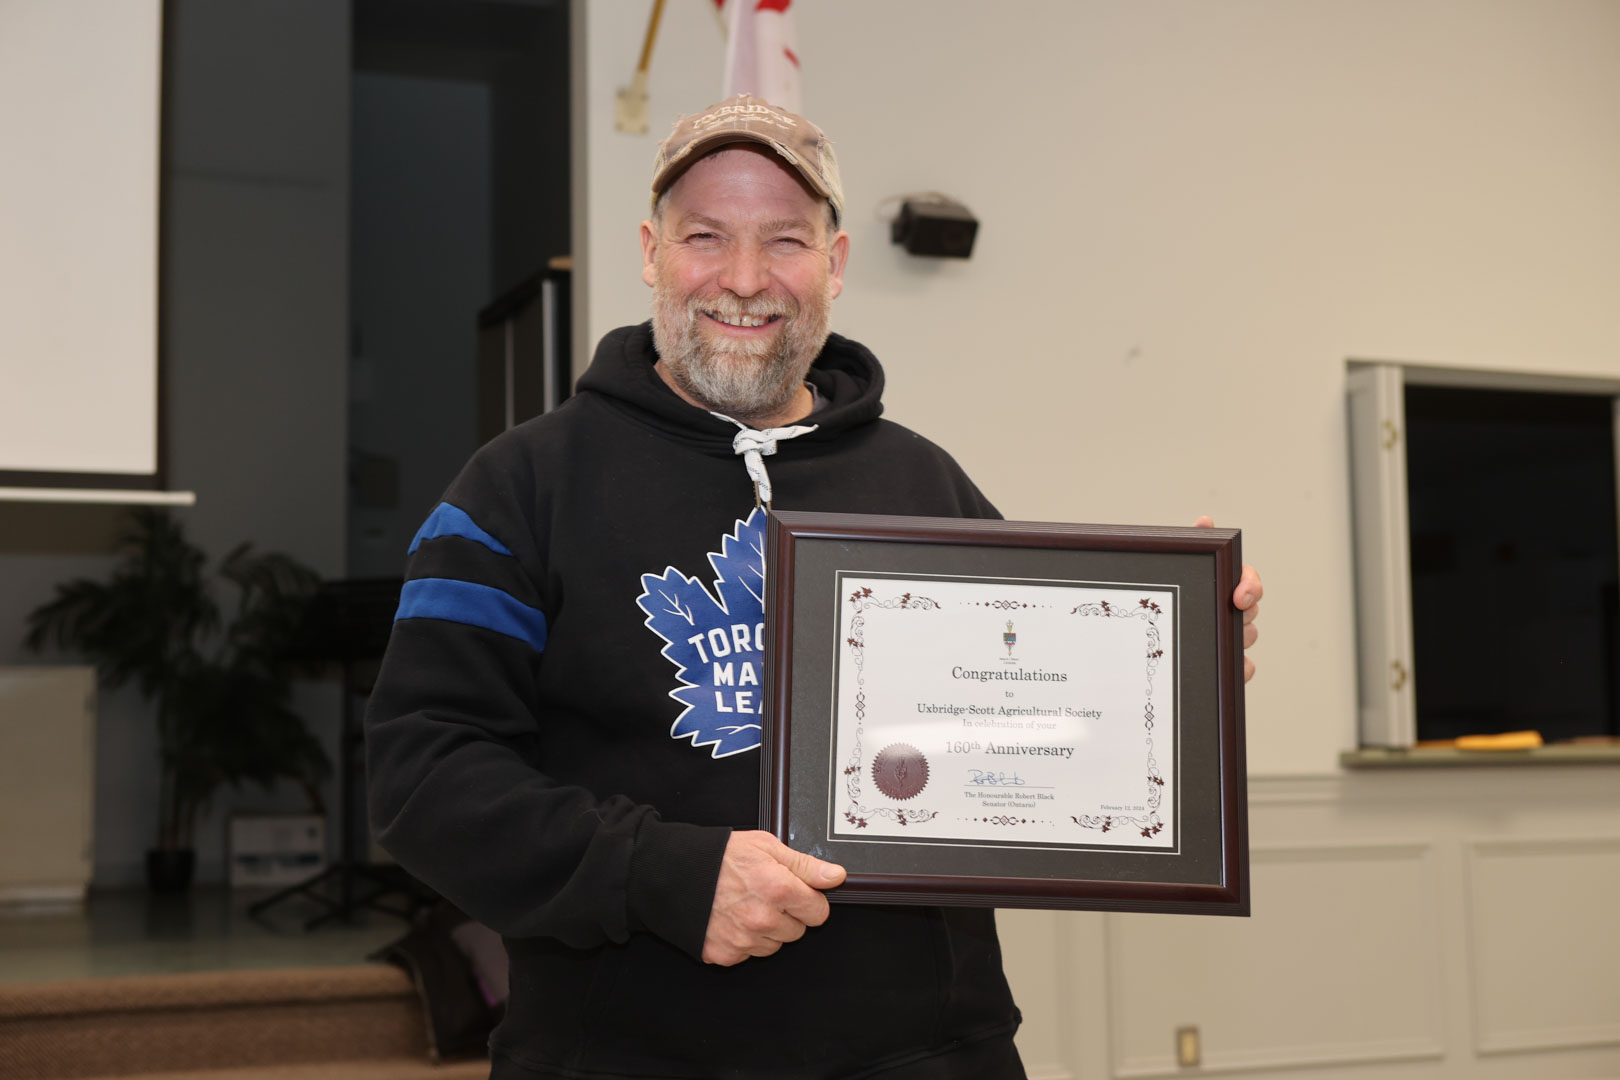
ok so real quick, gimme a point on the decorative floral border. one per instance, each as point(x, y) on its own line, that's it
point(856, 813)
point(1149, 823)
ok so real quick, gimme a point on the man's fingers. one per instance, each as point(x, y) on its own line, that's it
point(808, 906)
point(1246, 598)
point(766, 895)
point(786, 930)
point(811, 870)
point(1249, 590)
point(731, 955)
point(764, 947)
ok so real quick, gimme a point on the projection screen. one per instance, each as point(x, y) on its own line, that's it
point(79, 153)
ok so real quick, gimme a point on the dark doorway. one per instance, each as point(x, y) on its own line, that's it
point(460, 192)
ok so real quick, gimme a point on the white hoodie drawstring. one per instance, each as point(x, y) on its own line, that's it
point(755, 444)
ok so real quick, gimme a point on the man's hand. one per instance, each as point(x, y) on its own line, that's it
point(1246, 597)
point(767, 894)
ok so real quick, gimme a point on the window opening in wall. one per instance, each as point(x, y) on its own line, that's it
point(1514, 557)
point(1484, 516)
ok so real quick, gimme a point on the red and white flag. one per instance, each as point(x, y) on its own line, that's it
point(761, 51)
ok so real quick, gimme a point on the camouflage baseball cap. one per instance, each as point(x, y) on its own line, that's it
point(748, 119)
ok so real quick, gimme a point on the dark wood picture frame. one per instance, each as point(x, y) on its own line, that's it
point(1208, 870)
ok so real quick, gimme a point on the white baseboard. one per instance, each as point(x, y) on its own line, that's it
point(29, 896)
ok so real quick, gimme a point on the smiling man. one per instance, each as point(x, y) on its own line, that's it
point(564, 739)
point(744, 260)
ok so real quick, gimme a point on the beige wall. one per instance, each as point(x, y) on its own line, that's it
point(1192, 215)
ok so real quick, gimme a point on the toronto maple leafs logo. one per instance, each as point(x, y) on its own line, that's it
point(715, 640)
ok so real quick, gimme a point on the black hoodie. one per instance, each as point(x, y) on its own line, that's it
point(541, 754)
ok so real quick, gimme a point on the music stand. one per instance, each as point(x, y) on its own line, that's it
point(348, 626)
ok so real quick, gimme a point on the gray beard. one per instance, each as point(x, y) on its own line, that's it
point(745, 380)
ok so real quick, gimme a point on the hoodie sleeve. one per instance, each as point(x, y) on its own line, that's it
point(454, 788)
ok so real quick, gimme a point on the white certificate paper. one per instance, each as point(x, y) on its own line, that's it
point(1005, 711)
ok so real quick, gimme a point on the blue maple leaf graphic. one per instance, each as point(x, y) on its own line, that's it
point(712, 639)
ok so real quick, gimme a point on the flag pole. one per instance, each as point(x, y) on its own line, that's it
point(630, 106)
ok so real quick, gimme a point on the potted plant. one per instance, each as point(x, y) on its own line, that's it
point(220, 686)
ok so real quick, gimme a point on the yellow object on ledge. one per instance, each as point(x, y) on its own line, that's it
point(1507, 740)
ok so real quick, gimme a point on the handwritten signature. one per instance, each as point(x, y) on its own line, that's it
point(999, 779)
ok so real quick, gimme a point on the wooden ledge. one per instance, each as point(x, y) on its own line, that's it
point(1450, 757)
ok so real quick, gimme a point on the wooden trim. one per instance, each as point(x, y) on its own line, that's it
point(786, 531)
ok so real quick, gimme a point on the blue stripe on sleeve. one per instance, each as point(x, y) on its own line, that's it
point(475, 605)
point(447, 520)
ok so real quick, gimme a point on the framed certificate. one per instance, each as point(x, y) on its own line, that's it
point(1008, 714)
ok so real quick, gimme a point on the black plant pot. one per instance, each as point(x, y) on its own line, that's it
point(168, 870)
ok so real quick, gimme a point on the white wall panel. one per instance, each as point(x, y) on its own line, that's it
point(47, 782)
point(1414, 924)
point(1544, 946)
point(1339, 964)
